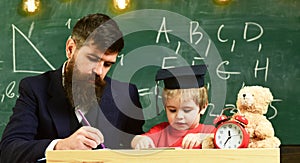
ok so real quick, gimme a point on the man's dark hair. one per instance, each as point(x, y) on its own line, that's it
point(100, 30)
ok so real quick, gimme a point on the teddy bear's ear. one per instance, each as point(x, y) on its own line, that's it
point(242, 90)
point(268, 95)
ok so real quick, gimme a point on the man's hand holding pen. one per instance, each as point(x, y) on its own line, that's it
point(85, 138)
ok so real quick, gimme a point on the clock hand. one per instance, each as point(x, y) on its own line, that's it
point(229, 137)
point(227, 140)
point(235, 135)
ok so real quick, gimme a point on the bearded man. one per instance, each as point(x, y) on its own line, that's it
point(45, 115)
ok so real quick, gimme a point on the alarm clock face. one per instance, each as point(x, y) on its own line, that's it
point(229, 135)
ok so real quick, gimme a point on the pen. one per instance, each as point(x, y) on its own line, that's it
point(88, 124)
point(83, 118)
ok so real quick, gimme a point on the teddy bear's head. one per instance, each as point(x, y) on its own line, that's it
point(254, 99)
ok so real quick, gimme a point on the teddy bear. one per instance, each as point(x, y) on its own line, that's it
point(253, 102)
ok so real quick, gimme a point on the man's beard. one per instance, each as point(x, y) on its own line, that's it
point(80, 92)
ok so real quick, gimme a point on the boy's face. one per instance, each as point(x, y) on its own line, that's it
point(182, 115)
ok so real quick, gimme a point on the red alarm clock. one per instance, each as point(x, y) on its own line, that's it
point(231, 132)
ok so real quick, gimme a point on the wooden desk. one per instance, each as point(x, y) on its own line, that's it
point(166, 156)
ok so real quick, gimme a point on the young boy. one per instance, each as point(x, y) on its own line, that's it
point(185, 99)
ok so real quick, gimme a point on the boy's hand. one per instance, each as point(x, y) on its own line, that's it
point(142, 142)
point(193, 140)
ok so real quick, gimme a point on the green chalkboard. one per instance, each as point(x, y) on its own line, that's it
point(244, 43)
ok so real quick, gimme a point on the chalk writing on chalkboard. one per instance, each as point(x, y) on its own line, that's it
point(253, 38)
point(30, 30)
point(9, 91)
point(15, 66)
point(192, 34)
point(1, 62)
point(163, 31)
point(68, 23)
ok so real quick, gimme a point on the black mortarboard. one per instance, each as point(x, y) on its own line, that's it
point(182, 77)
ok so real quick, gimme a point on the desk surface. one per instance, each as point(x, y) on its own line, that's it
point(167, 155)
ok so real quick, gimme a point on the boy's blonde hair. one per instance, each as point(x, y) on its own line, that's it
point(198, 95)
